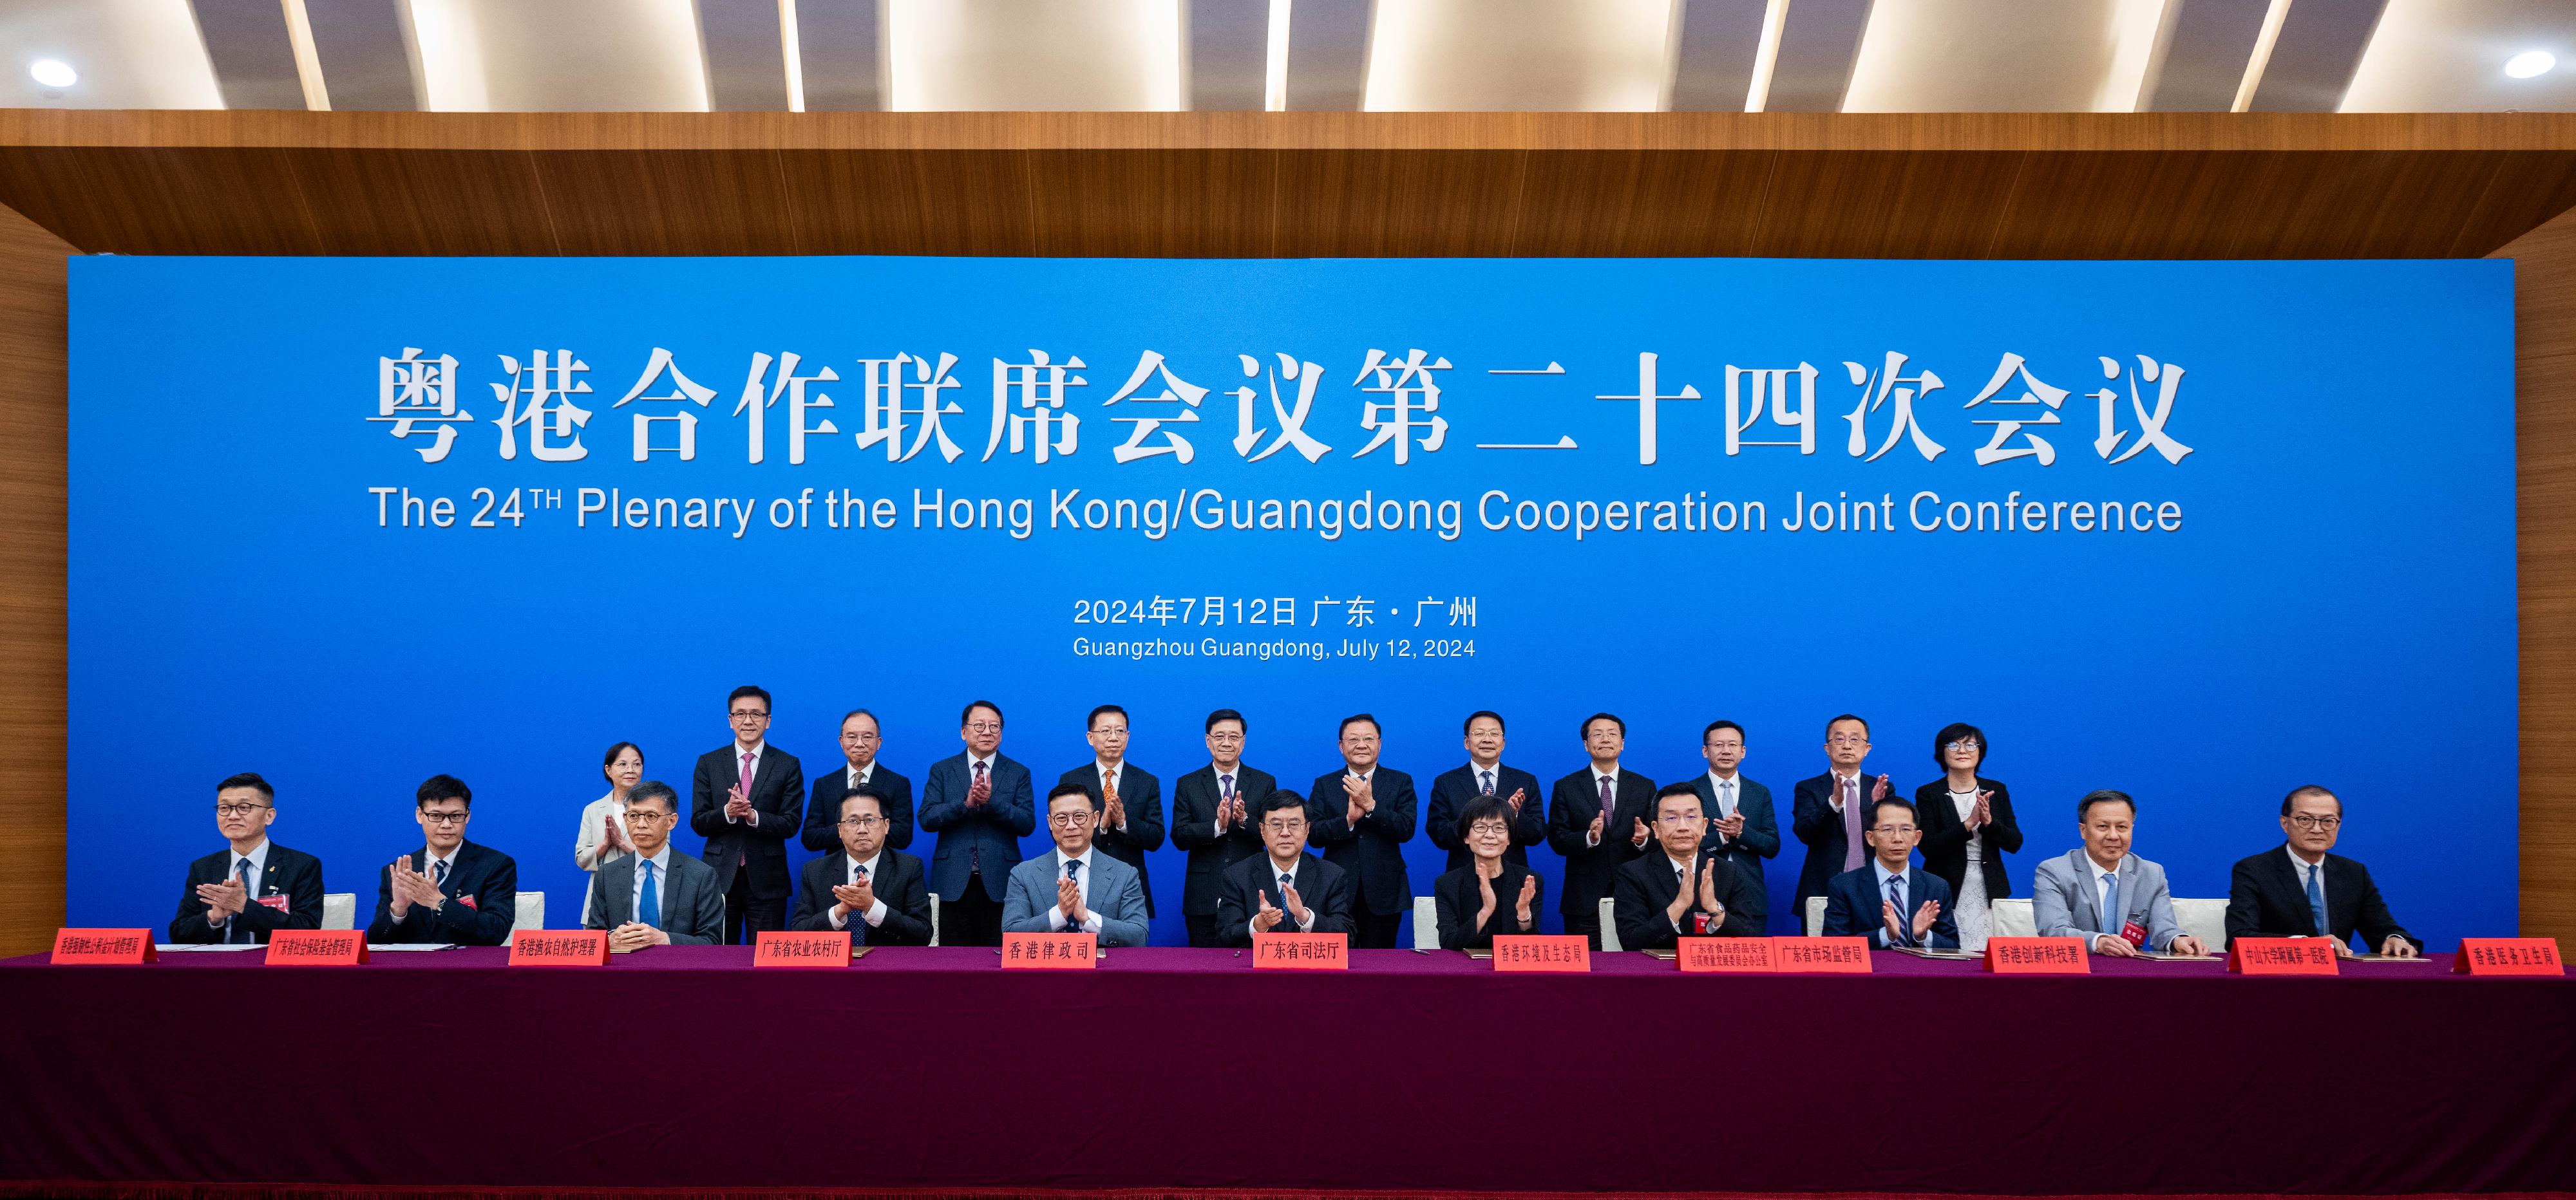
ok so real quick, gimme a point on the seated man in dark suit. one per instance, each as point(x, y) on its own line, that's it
point(242, 894)
point(1683, 891)
point(1127, 797)
point(453, 891)
point(1282, 889)
point(1484, 775)
point(2300, 890)
point(1212, 819)
point(876, 893)
point(861, 743)
point(1891, 900)
point(656, 896)
point(1491, 894)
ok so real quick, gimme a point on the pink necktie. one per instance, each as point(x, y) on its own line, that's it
point(743, 855)
point(1851, 824)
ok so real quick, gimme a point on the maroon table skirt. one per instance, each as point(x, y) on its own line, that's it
point(686, 1067)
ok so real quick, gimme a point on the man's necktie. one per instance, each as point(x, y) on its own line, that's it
point(1073, 869)
point(1286, 881)
point(1852, 846)
point(2317, 898)
point(2111, 911)
point(439, 869)
point(975, 853)
point(1489, 781)
point(1904, 919)
point(648, 909)
point(859, 926)
point(742, 851)
point(1608, 801)
point(237, 930)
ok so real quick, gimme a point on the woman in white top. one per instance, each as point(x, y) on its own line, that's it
point(602, 838)
point(1968, 827)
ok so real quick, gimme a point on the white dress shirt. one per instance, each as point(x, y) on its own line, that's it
point(2111, 921)
point(1729, 790)
point(1487, 779)
point(258, 859)
point(1082, 887)
point(858, 776)
point(758, 749)
point(661, 861)
point(1880, 875)
point(876, 914)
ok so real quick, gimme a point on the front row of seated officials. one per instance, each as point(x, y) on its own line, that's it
point(1246, 871)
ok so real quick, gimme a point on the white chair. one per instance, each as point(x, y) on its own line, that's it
point(1815, 916)
point(934, 918)
point(532, 911)
point(1426, 923)
point(2013, 918)
point(340, 910)
point(2203, 919)
point(1609, 924)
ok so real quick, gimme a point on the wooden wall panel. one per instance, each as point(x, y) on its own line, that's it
point(33, 385)
point(2544, 311)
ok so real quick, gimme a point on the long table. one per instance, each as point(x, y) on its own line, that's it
point(687, 1067)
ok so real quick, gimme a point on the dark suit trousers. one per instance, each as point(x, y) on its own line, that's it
point(1589, 925)
point(1202, 931)
point(974, 919)
point(745, 917)
point(1375, 932)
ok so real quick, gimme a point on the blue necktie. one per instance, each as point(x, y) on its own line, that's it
point(2317, 899)
point(649, 909)
point(1904, 919)
point(237, 930)
point(2111, 913)
point(441, 868)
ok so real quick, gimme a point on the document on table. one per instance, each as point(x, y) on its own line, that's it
point(1945, 955)
point(208, 947)
point(407, 947)
point(2389, 958)
point(2169, 956)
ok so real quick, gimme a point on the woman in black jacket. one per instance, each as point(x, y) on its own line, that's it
point(1487, 896)
point(1968, 827)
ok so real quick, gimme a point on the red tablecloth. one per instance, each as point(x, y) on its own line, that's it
point(683, 1066)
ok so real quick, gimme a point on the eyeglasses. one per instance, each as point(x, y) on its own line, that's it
point(1677, 818)
point(1961, 745)
point(861, 736)
point(1489, 829)
point(1891, 830)
point(1725, 745)
point(985, 726)
point(647, 816)
point(238, 810)
point(2311, 821)
point(861, 823)
point(443, 818)
point(1225, 737)
point(1842, 740)
point(742, 713)
point(1283, 826)
point(1067, 820)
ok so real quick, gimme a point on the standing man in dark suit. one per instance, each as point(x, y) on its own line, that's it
point(1890, 901)
point(980, 804)
point(1212, 818)
point(2300, 890)
point(1362, 816)
point(861, 741)
point(1687, 890)
point(1128, 799)
point(452, 891)
point(1741, 824)
point(1596, 818)
point(747, 799)
point(1283, 889)
point(242, 894)
point(876, 893)
point(1829, 810)
point(1485, 775)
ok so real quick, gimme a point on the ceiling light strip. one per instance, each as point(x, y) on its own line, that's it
point(2245, 88)
point(308, 64)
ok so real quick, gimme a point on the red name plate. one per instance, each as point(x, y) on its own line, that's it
point(821, 948)
point(1825, 955)
point(2037, 956)
point(113, 946)
point(2280, 956)
point(1542, 952)
point(1050, 951)
point(1728, 954)
point(317, 948)
point(2478, 956)
point(559, 948)
point(1303, 951)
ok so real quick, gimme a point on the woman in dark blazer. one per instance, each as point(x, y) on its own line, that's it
point(1487, 896)
point(1968, 827)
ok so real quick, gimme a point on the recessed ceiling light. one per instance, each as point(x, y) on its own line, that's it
point(2530, 63)
point(55, 73)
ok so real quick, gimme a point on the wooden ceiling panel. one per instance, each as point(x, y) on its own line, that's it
point(666, 202)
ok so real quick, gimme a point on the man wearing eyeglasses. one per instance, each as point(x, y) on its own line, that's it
point(1075, 889)
point(452, 891)
point(865, 887)
point(1127, 799)
point(656, 896)
point(240, 895)
point(1683, 892)
point(1212, 819)
point(747, 799)
point(1896, 904)
point(862, 741)
point(1283, 889)
point(981, 805)
point(1828, 811)
point(2300, 890)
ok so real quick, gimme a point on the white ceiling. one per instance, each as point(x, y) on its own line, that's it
point(1381, 55)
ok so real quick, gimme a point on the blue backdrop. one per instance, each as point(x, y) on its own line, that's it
point(2311, 577)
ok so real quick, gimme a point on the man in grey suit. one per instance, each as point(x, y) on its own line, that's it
point(656, 896)
point(1075, 890)
point(2069, 895)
